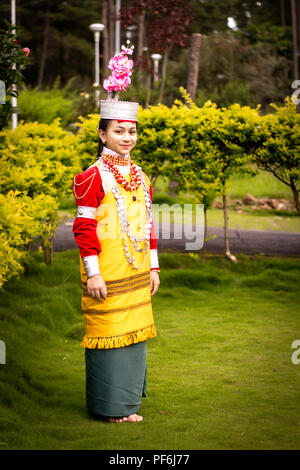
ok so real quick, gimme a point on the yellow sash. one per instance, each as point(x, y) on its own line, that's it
point(125, 316)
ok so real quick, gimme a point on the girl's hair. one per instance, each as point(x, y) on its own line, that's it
point(103, 124)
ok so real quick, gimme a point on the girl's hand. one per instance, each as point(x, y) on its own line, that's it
point(96, 287)
point(154, 282)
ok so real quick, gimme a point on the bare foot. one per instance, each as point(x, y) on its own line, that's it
point(134, 418)
point(117, 420)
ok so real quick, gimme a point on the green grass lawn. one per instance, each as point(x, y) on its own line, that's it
point(220, 374)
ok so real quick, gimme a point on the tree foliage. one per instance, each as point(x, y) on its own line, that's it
point(13, 60)
point(277, 142)
point(166, 22)
point(258, 55)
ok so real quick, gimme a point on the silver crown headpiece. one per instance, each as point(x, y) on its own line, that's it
point(122, 110)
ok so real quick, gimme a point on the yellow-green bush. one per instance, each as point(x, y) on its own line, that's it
point(13, 239)
point(87, 139)
point(39, 159)
point(37, 167)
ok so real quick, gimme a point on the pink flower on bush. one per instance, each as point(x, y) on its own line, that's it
point(26, 50)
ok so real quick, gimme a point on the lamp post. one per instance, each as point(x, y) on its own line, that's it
point(96, 28)
point(118, 28)
point(156, 58)
point(14, 103)
point(130, 32)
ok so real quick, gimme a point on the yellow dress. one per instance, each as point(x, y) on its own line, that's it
point(125, 317)
point(117, 328)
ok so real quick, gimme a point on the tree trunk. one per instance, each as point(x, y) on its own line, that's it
point(228, 254)
point(153, 181)
point(282, 13)
point(203, 249)
point(105, 49)
point(295, 194)
point(111, 28)
point(140, 49)
point(295, 40)
point(45, 46)
point(148, 86)
point(48, 251)
point(172, 188)
point(298, 28)
point(283, 24)
point(192, 80)
point(164, 74)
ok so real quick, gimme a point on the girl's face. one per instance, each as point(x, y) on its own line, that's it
point(119, 136)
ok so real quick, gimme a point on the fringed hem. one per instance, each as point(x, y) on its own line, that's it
point(111, 342)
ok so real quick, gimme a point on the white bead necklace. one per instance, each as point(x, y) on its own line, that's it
point(124, 225)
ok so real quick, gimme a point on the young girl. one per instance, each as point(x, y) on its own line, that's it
point(119, 266)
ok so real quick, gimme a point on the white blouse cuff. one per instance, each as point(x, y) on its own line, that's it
point(86, 212)
point(91, 265)
point(154, 258)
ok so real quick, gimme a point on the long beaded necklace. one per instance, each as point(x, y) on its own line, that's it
point(122, 214)
point(124, 226)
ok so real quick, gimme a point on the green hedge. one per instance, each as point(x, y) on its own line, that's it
point(200, 148)
point(37, 166)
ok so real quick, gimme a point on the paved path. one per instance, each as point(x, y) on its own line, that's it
point(274, 243)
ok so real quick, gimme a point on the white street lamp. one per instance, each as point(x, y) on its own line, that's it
point(156, 58)
point(130, 32)
point(118, 28)
point(96, 28)
point(14, 103)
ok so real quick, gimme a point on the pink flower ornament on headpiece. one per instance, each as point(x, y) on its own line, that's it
point(127, 50)
point(121, 68)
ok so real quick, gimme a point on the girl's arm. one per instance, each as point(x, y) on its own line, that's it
point(153, 243)
point(88, 192)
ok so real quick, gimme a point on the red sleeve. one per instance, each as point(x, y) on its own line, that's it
point(153, 236)
point(88, 191)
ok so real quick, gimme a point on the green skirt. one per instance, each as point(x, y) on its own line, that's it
point(116, 379)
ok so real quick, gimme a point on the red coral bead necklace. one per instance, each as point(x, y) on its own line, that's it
point(135, 177)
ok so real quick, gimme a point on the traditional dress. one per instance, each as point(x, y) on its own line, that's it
point(116, 238)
